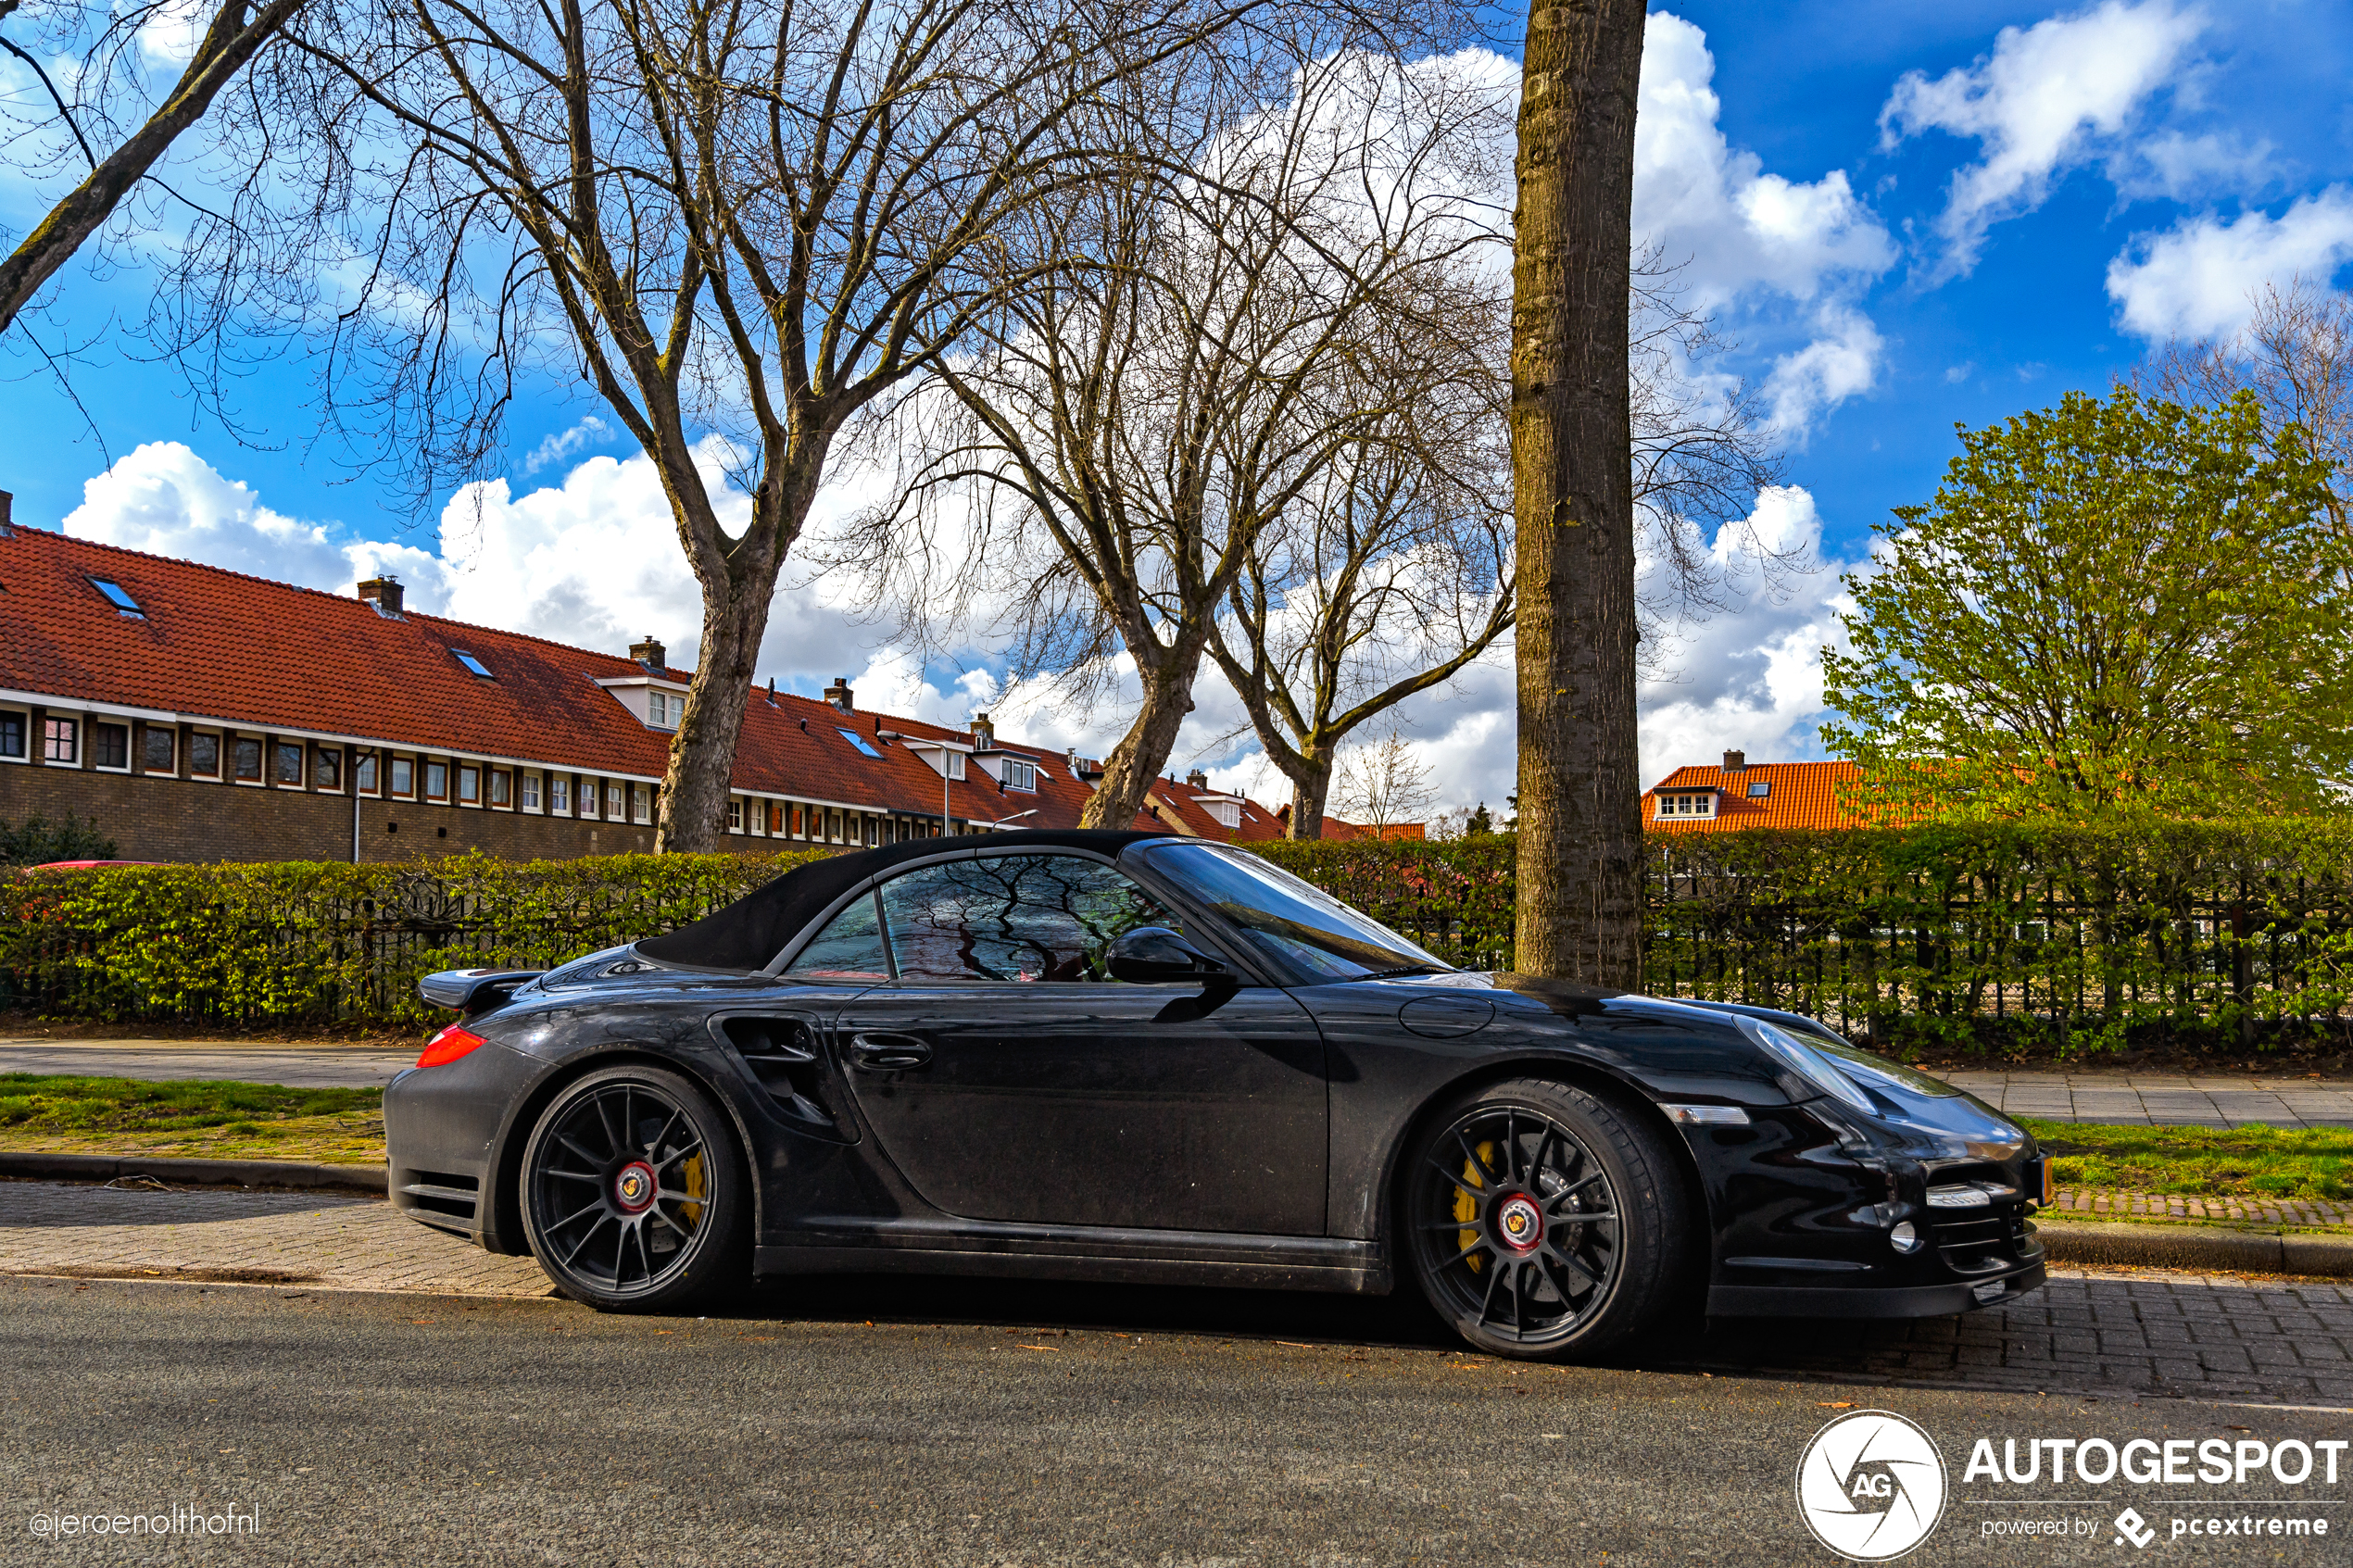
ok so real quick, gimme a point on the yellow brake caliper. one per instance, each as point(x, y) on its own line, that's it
point(1467, 1203)
point(694, 1172)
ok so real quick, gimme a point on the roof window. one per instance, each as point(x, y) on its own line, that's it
point(116, 597)
point(854, 738)
point(471, 663)
point(1759, 788)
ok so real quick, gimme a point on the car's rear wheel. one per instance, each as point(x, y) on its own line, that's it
point(1542, 1221)
point(633, 1198)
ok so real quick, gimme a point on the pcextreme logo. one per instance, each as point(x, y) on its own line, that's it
point(1870, 1486)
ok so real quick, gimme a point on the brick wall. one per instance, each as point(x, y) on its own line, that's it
point(159, 817)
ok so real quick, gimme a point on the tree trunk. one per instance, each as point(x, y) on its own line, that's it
point(1580, 914)
point(703, 754)
point(1128, 771)
point(1311, 785)
point(228, 44)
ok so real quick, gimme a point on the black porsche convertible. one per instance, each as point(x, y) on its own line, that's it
point(1141, 1058)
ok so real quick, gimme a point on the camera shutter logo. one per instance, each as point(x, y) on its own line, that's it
point(1872, 1486)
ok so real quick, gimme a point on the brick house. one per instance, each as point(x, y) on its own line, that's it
point(201, 714)
point(1743, 793)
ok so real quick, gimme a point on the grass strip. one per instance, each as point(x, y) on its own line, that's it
point(2250, 1162)
point(201, 1118)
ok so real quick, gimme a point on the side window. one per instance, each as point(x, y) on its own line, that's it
point(1013, 917)
point(849, 949)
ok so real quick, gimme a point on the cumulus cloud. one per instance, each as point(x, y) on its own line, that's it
point(1750, 678)
point(2199, 278)
point(2047, 98)
point(1841, 363)
point(593, 562)
point(590, 431)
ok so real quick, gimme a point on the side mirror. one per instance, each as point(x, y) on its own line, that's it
point(1154, 954)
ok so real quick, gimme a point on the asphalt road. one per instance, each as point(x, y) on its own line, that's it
point(1171, 1428)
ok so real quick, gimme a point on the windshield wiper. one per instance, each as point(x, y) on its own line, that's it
point(1408, 969)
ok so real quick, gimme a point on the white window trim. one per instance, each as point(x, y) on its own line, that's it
point(90, 738)
point(30, 738)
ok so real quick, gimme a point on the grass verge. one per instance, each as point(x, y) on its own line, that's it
point(191, 1119)
point(2252, 1162)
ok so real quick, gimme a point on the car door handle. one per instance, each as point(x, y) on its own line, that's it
point(888, 1052)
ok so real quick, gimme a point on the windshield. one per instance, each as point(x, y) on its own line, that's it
point(1305, 931)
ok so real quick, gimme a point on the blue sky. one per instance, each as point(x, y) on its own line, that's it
point(1906, 216)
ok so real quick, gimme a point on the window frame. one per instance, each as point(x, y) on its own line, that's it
point(103, 731)
point(326, 760)
point(367, 774)
point(531, 790)
point(260, 777)
point(436, 766)
point(23, 719)
point(559, 795)
point(198, 742)
point(394, 787)
point(60, 730)
point(469, 784)
point(148, 735)
point(279, 751)
point(1021, 774)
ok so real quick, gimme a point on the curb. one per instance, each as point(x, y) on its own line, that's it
point(2196, 1247)
point(199, 1172)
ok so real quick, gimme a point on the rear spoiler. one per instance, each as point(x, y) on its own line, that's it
point(469, 991)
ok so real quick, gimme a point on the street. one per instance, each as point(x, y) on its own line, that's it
point(948, 1422)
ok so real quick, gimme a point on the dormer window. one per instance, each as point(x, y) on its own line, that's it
point(1227, 813)
point(1702, 804)
point(116, 596)
point(664, 710)
point(1020, 775)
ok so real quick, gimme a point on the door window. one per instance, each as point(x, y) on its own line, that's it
point(1013, 917)
point(851, 947)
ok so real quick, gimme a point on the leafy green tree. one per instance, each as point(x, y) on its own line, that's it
point(2114, 604)
point(37, 841)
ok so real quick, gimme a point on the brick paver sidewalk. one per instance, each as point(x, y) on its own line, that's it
point(309, 1067)
point(2117, 1203)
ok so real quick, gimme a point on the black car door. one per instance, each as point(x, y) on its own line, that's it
point(1010, 1079)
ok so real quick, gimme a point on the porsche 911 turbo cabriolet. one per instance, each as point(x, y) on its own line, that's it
point(1141, 1058)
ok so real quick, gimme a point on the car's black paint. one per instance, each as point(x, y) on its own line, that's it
point(1243, 1133)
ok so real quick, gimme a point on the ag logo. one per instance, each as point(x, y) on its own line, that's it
point(1872, 1486)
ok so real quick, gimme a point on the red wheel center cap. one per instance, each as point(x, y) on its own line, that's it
point(1519, 1224)
point(633, 1189)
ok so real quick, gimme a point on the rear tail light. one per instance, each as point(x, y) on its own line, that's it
point(448, 1046)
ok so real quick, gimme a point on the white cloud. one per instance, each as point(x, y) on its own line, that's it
point(1749, 678)
point(2199, 278)
point(2046, 98)
point(1834, 366)
point(590, 431)
point(2178, 167)
point(593, 562)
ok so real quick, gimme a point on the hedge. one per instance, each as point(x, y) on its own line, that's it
point(2065, 938)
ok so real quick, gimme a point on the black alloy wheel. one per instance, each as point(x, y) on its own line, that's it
point(633, 1192)
point(1539, 1220)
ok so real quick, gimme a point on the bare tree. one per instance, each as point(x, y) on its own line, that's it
point(1383, 785)
point(1580, 899)
point(1102, 475)
point(109, 79)
point(739, 222)
point(2296, 355)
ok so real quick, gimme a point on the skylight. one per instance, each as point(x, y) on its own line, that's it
point(470, 662)
point(116, 596)
point(854, 738)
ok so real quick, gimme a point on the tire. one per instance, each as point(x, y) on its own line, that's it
point(1543, 1222)
point(633, 1196)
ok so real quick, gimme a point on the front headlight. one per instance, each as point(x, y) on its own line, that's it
point(1806, 1062)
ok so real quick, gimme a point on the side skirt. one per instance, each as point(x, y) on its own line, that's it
point(1102, 1255)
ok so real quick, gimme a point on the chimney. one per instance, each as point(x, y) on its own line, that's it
point(384, 594)
point(647, 650)
point(1199, 780)
point(839, 693)
point(772, 691)
point(983, 734)
point(1735, 761)
point(7, 504)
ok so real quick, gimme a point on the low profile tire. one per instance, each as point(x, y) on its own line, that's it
point(633, 1198)
point(1543, 1222)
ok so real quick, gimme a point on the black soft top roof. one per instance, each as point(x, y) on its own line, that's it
point(750, 933)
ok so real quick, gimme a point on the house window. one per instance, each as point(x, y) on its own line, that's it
point(612, 802)
point(365, 773)
point(116, 596)
point(859, 741)
point(873, 833)
point(530, 792)
point(641, 800)
point(735, 816)
point(155, 747)
point(110, 745)
point(404, 776)
point(326, 768)
point(955, 761)
point(1687, 804)
point(560, 793)
point(204, 755)
point(1022, 775)
point(246, 760)
point(1759, 788)
point(61, 740)
point(800, 822)
point(473, 666)
point(469, 784)
point(290, 762)
point(12, 735)
point(664, 710)
point(437, 781)
point(1227, 813)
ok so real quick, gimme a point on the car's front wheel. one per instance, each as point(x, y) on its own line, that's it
point(1543, 1222)
point(634, 1199)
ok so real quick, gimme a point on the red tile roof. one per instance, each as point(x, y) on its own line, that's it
point(1799, 794)
point(214, 647)
point(1184, 808)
